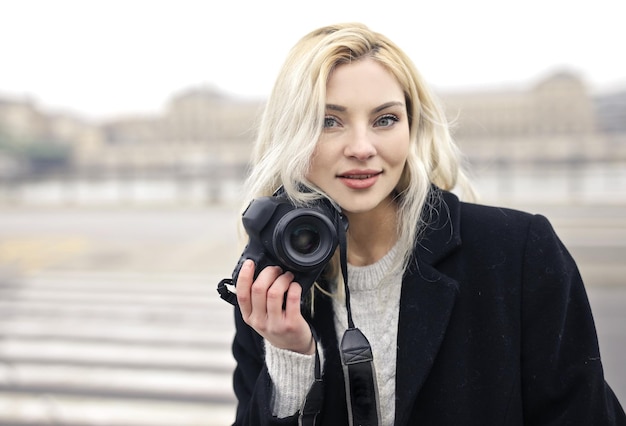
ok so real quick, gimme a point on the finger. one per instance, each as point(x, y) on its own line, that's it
point(258, 292)
point(294, 294)
point(276, 295)
point(243, 286)
point(293, 315)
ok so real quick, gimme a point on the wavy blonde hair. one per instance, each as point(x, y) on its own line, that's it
point(293, 119)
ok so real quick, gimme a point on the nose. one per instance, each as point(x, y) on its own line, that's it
point(360, 146)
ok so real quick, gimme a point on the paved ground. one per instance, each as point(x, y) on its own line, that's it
point(110, 316)
point(114, 349)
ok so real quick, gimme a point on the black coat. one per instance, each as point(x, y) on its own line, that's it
point(495, 328)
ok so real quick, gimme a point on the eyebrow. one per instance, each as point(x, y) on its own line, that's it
point(339, 108)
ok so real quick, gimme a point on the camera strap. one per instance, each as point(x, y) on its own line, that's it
point(358, 362)
point(313, 402)
point(225, 293)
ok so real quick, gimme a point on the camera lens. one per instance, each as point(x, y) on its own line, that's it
point(304, 239)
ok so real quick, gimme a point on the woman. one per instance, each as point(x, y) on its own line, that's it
point(474, 315)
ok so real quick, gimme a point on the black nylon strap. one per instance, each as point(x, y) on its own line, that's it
point(343, 259)
point(361, 388)
point(312, 404)
point(358, 362)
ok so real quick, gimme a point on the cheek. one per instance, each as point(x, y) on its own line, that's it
point(400, 145)
point(322, 156)
point(400, 153)
point(315, 165)
point(400, 168)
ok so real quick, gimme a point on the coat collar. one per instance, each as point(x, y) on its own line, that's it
point(426, 303)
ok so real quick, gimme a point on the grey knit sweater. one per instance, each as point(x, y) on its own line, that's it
point(375, 301)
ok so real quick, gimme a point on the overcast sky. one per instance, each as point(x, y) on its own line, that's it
point(101, 58)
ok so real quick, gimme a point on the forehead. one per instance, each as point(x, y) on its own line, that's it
point(363, 81)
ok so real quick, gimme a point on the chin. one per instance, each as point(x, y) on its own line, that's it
point(356, 206)
point(353, 208)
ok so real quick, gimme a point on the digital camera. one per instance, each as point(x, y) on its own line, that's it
point(298, 239)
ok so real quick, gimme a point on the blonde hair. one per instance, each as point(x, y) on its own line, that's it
point(293, 121)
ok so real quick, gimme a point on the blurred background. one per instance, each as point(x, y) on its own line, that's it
point(125, 133)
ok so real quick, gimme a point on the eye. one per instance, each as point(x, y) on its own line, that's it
point(386, 120)
point(330, 121)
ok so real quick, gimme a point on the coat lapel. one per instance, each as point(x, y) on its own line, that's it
point(425, 305)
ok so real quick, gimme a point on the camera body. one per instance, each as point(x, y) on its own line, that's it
point(298, 239)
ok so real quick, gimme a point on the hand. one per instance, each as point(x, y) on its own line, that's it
point(261, 304)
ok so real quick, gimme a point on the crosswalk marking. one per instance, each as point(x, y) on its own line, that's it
point(51, 409)
point(115, 349)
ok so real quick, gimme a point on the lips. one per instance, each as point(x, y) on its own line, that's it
point(359, 174)
point(359, 179)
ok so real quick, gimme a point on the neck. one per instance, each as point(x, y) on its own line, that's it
point(372, 234)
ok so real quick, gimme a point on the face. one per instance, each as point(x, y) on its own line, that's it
point(361, 154)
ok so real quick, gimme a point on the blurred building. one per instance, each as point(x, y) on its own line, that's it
point(611, 113)
point(21, 119)
point(554, 120)
point(611, 123)
point(32, 139)
point(206, 135)
point(202, 130)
